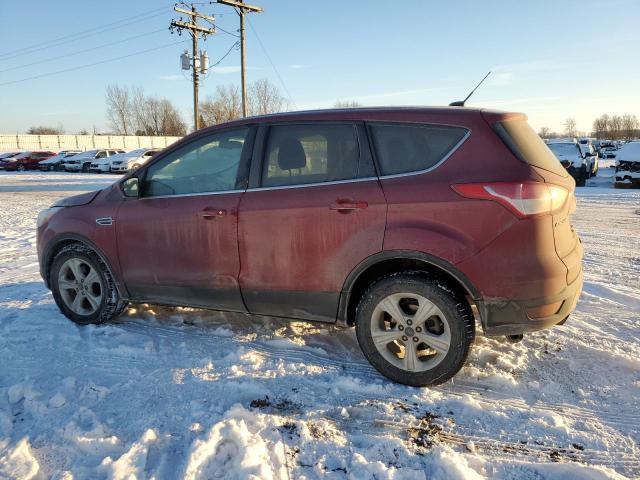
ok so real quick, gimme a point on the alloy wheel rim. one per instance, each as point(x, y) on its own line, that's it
point(410, 332)
point(80, 286)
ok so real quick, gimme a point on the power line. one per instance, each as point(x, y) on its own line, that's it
point(74, 37)
point(226, 54)
point(91, 64)
point(271, 62)
point(82, 51)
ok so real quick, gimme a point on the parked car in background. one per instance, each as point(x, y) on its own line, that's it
point(55, 162)
point(388, 219)
point(26, 160)
point(82, 162)
point(628, 165)
point(608, 149)
point(572, 159)
point(7, 155)
point(591, 156)
point(103, 164)
point(131, 160)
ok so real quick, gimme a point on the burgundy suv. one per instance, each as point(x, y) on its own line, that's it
point(408, 223)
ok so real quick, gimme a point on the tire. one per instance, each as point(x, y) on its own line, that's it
point(21, 168)
point(99, 300)
point(449, 319)
point(581, 179)
point(85, 167)
point(52, 168)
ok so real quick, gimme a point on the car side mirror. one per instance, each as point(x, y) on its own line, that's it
point(130, 187)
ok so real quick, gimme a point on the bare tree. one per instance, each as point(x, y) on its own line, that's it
point(601, 126)
point(629, 126)
point(570, 127)
point(615, 127)
point(264, 98)
point(544, 132)
point(347, 104)
point(46, 130)
point(119, 109)
point(224, 106)
point(130, 110)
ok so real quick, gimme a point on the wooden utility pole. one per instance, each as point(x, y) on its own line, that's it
point(195, 30)
point(242, 8)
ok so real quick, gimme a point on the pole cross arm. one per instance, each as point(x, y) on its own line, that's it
point(241, 5)
point(192, 27)
point(194, 14)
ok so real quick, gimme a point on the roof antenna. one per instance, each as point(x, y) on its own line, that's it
point(461, 103)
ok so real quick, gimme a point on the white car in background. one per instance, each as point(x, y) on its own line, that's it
point(55, 162)
point(131, 160)
point(82, 162)
point(591, 156)
point(628, 165)
point(572, 159)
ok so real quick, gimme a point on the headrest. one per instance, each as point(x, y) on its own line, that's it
point(291, 154)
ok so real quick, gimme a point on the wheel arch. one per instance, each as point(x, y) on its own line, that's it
point(57, 243)
point(394, 261)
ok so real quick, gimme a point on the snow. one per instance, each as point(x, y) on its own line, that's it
point(629, 152)
point(184, 393)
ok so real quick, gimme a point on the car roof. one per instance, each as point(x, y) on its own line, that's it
point(406, 113)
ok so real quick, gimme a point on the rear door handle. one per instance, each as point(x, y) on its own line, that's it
point(347, 206)
point(211, 213)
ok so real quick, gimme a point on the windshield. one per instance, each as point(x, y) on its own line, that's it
point(564, 149)
point(134, 153)
point(22, 155)
point(54, 158)
point(88, 154)
point(527, 145)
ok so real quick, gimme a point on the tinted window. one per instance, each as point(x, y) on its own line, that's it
point(403, 148)
point(527, 145)
point(310, 153)
point(209, 164)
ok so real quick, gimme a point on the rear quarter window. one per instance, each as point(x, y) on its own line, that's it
point(406, 148)
point(527, 145)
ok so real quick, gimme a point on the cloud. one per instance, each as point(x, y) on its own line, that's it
point(172, 78)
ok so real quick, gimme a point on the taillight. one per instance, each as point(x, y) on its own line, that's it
point(525, 199)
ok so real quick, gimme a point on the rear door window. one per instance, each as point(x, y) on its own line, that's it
point(311, 153)
point(406, 148)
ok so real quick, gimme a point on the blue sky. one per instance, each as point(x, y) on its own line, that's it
point(551, 59)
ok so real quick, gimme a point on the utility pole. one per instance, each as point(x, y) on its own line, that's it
point(195, 30)
point(242, 8)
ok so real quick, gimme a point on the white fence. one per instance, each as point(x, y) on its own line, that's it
point(81, 142)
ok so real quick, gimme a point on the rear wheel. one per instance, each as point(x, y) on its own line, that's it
point(21, 168)
point(83, 286)
point(414, 330)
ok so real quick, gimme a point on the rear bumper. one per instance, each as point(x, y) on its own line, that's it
point(509, 317)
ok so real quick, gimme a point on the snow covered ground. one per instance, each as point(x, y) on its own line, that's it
point(181, 393)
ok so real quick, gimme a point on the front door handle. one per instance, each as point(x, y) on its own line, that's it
point(211, 213)
point(347, 205)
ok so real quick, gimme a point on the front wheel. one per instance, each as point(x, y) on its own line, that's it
point(83, 286)
point(414, 330)
point(21, 168)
